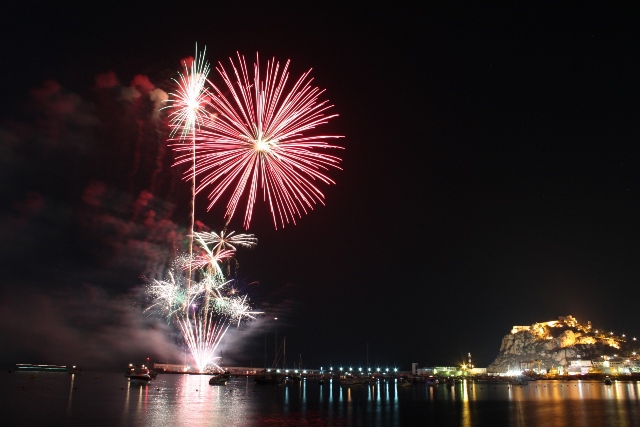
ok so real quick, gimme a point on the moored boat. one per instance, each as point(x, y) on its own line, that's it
point(404, 382)
point(351, 381)
point(45, 368)
point(271, 377)
point(519, 381)
point(140, 376)
point(218, 379)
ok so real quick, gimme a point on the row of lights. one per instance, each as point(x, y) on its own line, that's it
point(611, 333)
point(360, 369)
point(341, 369)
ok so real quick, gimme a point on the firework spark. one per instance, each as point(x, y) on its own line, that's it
point(258, 140)
point(225, 240)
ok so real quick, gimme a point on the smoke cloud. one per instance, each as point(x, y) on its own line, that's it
point(88, 202)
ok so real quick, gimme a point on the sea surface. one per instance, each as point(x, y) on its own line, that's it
point(106, 399)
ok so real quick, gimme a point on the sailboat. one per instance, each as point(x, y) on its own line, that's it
point(273, 375)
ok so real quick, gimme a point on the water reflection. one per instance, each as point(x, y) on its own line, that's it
point(189, 400)
point(70, 399)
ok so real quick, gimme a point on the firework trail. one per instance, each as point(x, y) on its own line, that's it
point(257, 138)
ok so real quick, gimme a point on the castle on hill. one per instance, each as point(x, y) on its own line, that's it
point(566, 345)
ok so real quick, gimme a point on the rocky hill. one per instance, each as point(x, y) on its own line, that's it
point(547, 345)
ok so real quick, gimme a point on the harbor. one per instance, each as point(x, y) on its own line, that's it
point(105, 399)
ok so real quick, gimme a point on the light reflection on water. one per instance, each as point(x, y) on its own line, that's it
point(171, 400)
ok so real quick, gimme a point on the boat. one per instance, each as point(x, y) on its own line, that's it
point(268, 377)
point(404, 382)
point(136, 369)
point(273, 376)
point(139, 376)
point(218, 379)
point(519, 381)
point(607, 381)
point(432, 381)
point(351, 381)
point(20, 367)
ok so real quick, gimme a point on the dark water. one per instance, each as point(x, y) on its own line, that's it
point(105, 399)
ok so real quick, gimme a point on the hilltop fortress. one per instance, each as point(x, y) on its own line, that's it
point(562, 344)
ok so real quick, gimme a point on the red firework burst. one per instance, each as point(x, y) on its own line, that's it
point(259, 138)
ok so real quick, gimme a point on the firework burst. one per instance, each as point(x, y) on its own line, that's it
point(187, 104)
point(259, 140)
point(203, 307)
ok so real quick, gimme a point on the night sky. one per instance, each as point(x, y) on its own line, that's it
point(490, 178)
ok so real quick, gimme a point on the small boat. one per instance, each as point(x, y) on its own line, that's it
point(138, 376)
point(268, 378)
point(42, 368)
point(351, 381)
point(218, 379)
point(519, 381)
point(404, 382)
point(607, 381)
